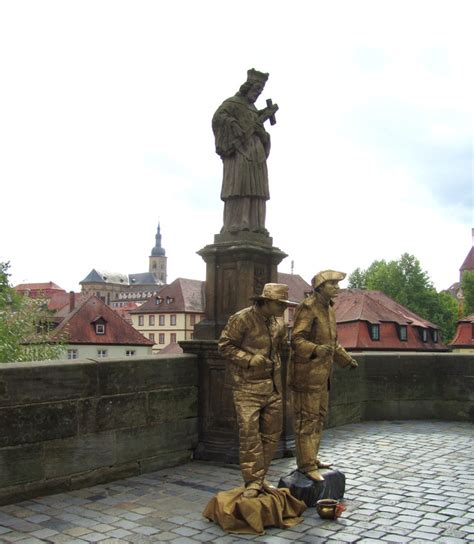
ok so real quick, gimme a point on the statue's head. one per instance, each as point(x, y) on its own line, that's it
point(327, 282)
point(254, 85)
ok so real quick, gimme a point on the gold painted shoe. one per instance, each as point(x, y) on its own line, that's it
point(322, 464)
point(266, 483)
point(314, 475)
point(252, 490)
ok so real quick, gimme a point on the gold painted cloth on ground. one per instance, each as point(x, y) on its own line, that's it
point(272, 508)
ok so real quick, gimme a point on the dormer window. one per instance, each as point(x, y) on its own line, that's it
point(403, 333)
point(159, 300)
point(424, 335)
point(435, 335)
point(99, 325)
point(169, 300)
point(374, 331)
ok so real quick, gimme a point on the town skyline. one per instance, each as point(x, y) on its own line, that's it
point(107, 130)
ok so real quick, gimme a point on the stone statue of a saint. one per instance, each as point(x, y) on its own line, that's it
point(244, 145)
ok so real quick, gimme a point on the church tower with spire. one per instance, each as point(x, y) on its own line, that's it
point(158, 259)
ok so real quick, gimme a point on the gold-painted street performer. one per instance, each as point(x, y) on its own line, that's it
point(251, 342)
point(244, 145)
point(315, 349)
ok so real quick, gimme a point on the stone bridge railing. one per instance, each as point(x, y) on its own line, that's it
point(70, 424)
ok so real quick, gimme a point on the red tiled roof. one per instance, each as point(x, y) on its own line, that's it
point(297, 286)
point(171, 348)
point(79, 326)
point(61, 301)
point(468, 263)
point(182, 295)
point(356, 309)
point(38, 287)
point(464, 333)
point(57, 298)
point(374, 307)
point(124, 310)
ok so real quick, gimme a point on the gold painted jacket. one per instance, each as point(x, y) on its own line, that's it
point(314, 324)
point(246, 334)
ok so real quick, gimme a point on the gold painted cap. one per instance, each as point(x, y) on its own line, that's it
point(326, 275)
point(275, 291)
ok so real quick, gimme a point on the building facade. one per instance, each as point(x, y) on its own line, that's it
point(170, 316)
point(92, 330)
point(116, 288)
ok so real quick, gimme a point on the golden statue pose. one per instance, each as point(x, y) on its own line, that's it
point(315, 348)
point(251, 341)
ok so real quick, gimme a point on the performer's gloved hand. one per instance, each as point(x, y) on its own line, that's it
point(258, 360)
point(322, 350)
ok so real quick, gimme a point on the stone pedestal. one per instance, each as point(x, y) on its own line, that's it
point(218, 433)
point(237, 267)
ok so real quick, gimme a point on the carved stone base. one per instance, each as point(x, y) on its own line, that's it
point(309, 491)
point(237, 267)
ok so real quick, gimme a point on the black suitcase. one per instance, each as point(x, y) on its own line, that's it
point(309, 491)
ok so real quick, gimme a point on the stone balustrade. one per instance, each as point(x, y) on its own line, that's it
point(71, 424)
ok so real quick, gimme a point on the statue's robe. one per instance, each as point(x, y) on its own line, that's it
point(244, 153)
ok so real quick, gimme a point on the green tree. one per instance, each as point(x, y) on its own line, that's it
point(24, 331)
point(467, 286)
point(408, 284)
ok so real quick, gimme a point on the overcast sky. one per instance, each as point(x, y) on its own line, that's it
point(105, 129)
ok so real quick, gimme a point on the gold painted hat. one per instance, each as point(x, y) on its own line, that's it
point(326, 275)
point(275, 291)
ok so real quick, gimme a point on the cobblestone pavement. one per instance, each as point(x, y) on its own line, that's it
point(410, 481)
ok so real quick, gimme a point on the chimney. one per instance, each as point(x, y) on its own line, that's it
point(72, 301)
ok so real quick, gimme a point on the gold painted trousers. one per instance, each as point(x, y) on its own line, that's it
point(309, 412)
point(260, 419)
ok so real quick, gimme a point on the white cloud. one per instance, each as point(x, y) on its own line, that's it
point(106, 116)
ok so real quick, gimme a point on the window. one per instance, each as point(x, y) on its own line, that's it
point(402, 333)
point(72, 354)
point(130, 353)
point(151, 336)
point(435, 335)
point(141, 320)
point(101, 353)
point(424, 335)
point(161, 338)
point(374, 332)
point(100, 328)
point(172, 319)
point(161, 320)
point(151, 320)
point(192, 319)
point(173, 338)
